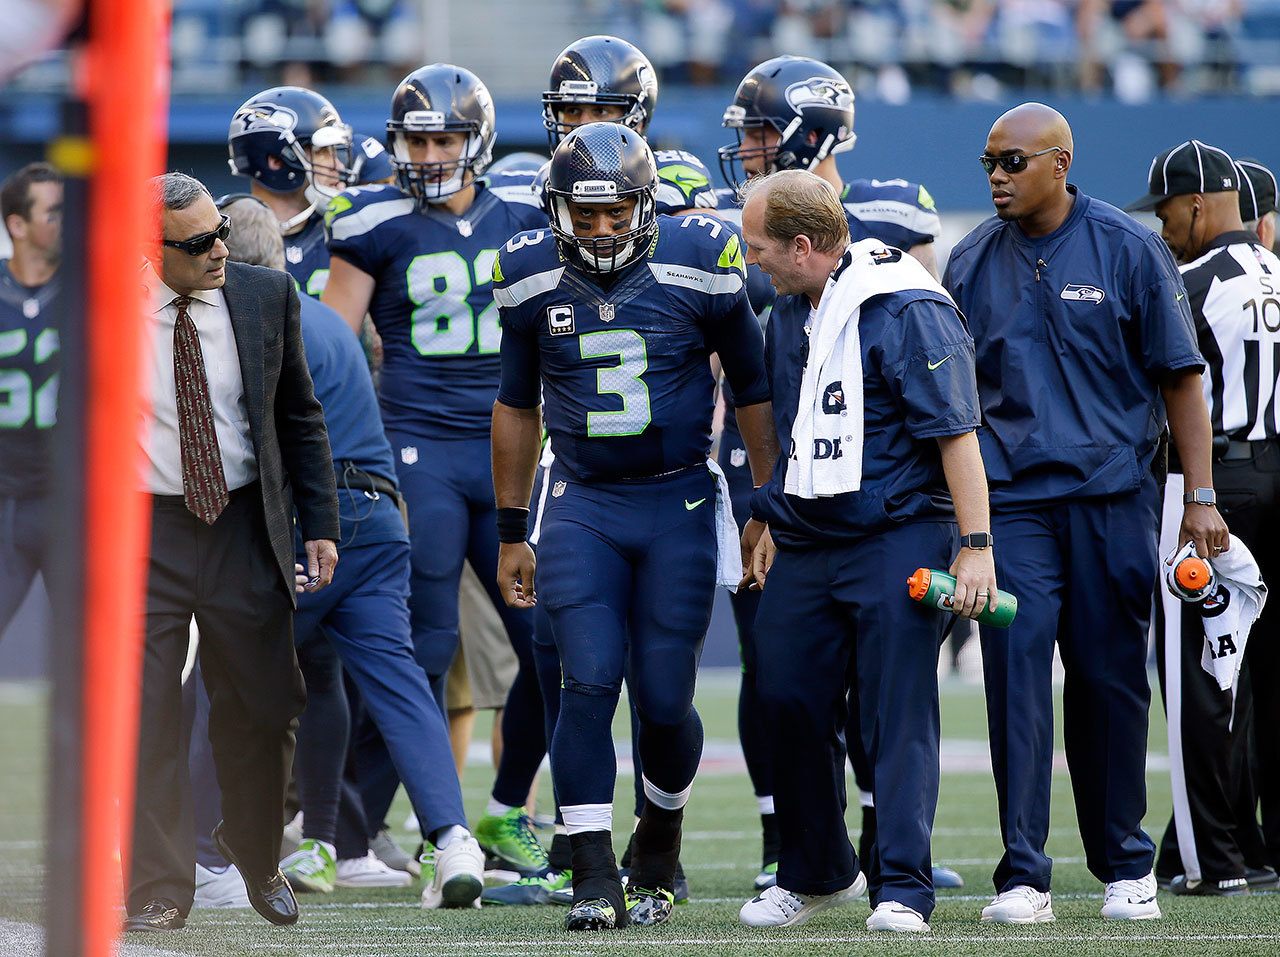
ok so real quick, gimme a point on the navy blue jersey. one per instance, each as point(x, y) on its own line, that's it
point(432, 300)
point(28, 384)
point(917, 385)
point(893, 211)
point(683, 182)
point(1073, 331)
point(345, 391)
point(624, 369)
point(306, 256)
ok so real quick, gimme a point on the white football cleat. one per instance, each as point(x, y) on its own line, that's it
point(1019, 905)
point(223, 888)
point(455, 875)
point(368, 871)
point(776, 907)
point(890, 915)
point(1131, 900)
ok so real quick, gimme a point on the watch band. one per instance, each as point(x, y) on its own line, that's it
point(976, 540)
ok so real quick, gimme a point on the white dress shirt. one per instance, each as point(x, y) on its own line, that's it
point(159, 429)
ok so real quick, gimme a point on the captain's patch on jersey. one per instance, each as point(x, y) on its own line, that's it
point(560, 320)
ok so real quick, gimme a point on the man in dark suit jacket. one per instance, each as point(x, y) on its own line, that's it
point(235, 440)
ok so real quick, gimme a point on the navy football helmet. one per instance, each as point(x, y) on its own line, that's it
point(287, 123)
point(599, 164)
point(806, 102)
point(441, 98)
point(600, 71)
point(370, 161)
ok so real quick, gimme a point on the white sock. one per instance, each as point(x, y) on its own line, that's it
point(665, 799)
point(579, 818)
point(766, 804)
point(497, 809)
point(447, 835)
point(866, 799)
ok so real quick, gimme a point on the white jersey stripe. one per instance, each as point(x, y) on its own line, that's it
point(525, 289)
point(714, 283)
point(369, 217)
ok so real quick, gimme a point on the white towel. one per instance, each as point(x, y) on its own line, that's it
point(728, 538)
point(1229, 612)
point(826, 438)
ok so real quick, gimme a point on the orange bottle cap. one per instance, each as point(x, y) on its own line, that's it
point(1192, 573)
point(918, 584)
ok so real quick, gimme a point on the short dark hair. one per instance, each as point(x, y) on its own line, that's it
point(15, 192)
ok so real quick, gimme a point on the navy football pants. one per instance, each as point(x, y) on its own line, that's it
point(823, 609)
point(626, 572)
point(1083, 573)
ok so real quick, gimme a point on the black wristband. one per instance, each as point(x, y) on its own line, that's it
point(513, 525)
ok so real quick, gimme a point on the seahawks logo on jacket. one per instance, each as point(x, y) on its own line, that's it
point(1079, 292)
point(833, 398)
point(819, 91)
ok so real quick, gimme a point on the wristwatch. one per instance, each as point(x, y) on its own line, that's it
point(976, 540)
point(1200, 496)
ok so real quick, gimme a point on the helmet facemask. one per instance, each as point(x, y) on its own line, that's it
point(603, 254)
point(586, 93)
point(434, 182)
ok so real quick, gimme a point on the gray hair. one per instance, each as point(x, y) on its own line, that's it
point(255, 234)
point(176, 190)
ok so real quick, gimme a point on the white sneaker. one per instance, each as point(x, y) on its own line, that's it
point(776, 907)
point(223, 888)
point(392, 854)
point(890, 915)
point(1019, 905)
point(455, 876)
point(1131, 900)
point(368, 871)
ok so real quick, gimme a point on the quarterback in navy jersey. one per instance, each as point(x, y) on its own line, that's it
point(31, 204)
point(418, 257)
point(293, 146)
point(610, 316)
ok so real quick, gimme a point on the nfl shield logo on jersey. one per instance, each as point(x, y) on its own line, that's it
point(738, 458)
point(464, 227)
point(293, 254)
point(409, 454)
point(607, 312)
point(558, 489)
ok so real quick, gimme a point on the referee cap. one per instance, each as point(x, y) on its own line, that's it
point(1257, 190)
point(1190, 167)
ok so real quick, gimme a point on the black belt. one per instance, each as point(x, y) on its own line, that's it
point(357, 479)
point(1234, 450)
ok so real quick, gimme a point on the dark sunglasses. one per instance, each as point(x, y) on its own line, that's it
point(1011, 164)
point(199, 245)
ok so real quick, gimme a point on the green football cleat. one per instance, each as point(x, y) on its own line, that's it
point(511, 837)
point(648, 907)
point(311, 868)
point(596, 914)
point(532, 891)
point(767, 877)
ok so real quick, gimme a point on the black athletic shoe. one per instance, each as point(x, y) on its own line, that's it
point(1261, 878)
point(1230, 887)
point(595, 914)
point(647, 907)
point(599, 902)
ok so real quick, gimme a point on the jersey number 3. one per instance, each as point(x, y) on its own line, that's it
point(444, 324)
point(621, 380)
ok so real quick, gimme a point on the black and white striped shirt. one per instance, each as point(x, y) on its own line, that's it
point(1234, 291)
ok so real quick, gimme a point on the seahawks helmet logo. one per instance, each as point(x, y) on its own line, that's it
point(259, 116)
point(819, 91)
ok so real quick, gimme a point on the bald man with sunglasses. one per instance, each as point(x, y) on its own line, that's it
point(235, 441)
point(1085, 346)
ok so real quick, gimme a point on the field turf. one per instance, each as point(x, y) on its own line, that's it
point(721, 855)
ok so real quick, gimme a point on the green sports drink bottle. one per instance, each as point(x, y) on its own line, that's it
point(936, 589)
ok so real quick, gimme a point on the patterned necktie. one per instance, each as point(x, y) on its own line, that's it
point(204, 486)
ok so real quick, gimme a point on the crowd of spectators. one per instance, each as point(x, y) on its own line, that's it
point(891, 48)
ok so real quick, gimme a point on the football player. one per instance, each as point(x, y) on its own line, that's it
point(793, 112)
point(613, 313)
point(418, 257)
point(292, 144)
point(31, 205)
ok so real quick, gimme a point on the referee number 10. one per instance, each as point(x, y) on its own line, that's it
point(1265, 312)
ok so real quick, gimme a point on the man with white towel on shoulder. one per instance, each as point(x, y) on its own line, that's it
point(873, 372)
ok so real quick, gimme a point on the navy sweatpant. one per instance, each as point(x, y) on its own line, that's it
point(1083, 572)
point(627, 570)
point(821, 609)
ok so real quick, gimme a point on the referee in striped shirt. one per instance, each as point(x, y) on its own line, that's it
point(1213, 845)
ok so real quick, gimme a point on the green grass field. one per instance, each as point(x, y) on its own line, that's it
point(721, 856)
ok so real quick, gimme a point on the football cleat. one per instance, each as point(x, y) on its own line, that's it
point(647, 907)
point(532, 891)
point(595, 914)
point(311, 868)
point(511, 838)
